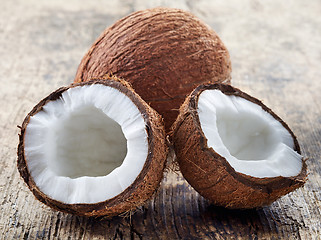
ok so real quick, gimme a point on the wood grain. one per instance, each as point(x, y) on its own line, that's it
point(276, 55)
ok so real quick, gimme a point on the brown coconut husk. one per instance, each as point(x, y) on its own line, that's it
point(146, 182)
point(163, 52)
point(211, 175)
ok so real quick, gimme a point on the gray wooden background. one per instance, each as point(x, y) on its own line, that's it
point(275, 49)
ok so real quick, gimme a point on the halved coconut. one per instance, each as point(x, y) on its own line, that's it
point(92, 149)
point(234, 150)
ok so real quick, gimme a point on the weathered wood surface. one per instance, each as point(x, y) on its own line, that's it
point(275, 48)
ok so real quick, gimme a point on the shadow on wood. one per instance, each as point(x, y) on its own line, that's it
point(178, 212)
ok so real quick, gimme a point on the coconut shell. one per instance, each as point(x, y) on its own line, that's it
point(163, 52)
point(146, 182)
point(210, 174)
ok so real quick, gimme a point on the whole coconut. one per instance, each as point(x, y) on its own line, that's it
point(163, 52)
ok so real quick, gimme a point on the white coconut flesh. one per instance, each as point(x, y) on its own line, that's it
point(87, 146)
point(249, 138)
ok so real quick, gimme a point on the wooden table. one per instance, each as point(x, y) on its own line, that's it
point(275, 48)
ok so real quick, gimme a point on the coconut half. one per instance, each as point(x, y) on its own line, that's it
point(234, 150)
point(163, 52)
point(92, 149)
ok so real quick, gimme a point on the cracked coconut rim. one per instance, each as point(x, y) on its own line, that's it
point(81, 148)
point(250, 139)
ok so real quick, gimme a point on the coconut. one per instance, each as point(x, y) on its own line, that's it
point(163, 52)
point(234, 150)
point(92, 149)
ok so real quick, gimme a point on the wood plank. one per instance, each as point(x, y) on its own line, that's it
point(276, 55)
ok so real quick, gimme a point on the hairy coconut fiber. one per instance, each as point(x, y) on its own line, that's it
point(146, 182)
point(163, 52)
point(210, 174)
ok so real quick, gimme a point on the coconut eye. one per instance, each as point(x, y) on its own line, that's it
point(243, 155)
point(88, 145)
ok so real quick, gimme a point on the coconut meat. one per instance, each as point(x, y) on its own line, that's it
point(87, 146)
point(249, 138)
